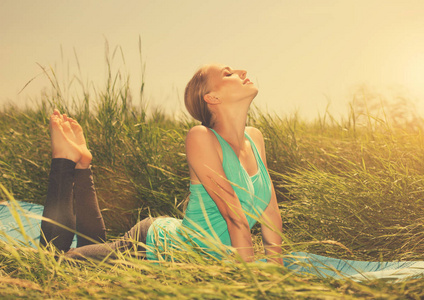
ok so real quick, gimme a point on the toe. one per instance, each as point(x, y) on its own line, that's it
point(55, 125)
point(54, 119)
point(74, 124)
point(66, 126)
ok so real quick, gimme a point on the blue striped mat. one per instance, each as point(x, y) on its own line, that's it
point(298, 262)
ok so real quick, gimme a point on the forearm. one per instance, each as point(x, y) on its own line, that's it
point(246, 253)
point(273, 253)
point(272, 237)
point(241, 239)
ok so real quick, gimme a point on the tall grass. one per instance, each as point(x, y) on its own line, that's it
point(356, 181)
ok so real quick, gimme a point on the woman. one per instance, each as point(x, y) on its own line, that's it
point(229, 182)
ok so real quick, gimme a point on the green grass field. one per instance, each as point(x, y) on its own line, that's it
point(349, 187)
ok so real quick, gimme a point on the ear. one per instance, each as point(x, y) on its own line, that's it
point(211, 99)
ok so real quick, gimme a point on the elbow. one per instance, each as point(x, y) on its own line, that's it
point(276, 221)
point(279, 224)
point(236, 221)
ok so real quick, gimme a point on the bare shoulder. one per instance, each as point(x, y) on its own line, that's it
point(258, 139)
point(201, 141)
point(256, 136)
point(199, 133)
point(202, 147)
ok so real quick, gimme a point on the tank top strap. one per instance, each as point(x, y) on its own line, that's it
point(226, 148)
point(255, 150)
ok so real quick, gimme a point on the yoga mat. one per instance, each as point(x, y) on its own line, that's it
point(325, 267)
point(9, 226)
point(297, 262)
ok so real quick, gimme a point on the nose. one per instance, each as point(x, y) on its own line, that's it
point(242, 73)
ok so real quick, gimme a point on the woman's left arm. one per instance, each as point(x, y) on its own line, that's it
point(271, 226)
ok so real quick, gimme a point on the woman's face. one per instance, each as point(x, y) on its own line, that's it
point(228, 84)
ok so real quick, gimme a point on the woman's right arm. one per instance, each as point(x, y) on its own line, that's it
point(205, 165)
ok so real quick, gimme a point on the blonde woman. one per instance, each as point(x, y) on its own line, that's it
point(230, 188)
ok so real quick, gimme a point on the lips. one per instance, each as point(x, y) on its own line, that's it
point(246, 81)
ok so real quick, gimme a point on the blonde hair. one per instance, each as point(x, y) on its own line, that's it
point(195, 90)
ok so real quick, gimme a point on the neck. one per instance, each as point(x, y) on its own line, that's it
point(230, 123)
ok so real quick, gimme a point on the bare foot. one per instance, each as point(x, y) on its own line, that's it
point(62, 145)
point(68, 129)
point(86, 157)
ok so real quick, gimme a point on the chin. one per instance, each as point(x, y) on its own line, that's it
point(255, 92)
point(253, 96)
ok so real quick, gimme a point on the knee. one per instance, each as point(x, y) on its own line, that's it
point(139, 231)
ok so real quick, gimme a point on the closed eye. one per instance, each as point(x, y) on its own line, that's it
point(229, 74)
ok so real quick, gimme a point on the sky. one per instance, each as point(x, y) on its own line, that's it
point(301, 54)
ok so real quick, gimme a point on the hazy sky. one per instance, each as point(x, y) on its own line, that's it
point(300, 53)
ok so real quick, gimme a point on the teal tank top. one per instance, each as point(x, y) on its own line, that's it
point(203, 225)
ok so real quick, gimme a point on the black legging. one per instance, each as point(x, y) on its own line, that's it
point(72, 202)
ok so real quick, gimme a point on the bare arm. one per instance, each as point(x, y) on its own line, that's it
point(205, 166)
point(271, 226)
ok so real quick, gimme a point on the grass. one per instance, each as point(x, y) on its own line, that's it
point(348, 188)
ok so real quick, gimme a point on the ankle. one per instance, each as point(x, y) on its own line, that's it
point(72, 158)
